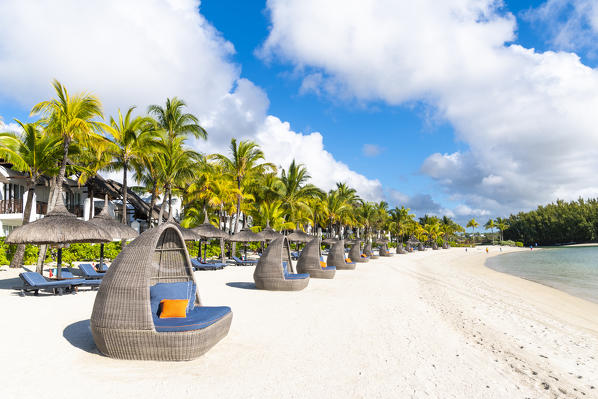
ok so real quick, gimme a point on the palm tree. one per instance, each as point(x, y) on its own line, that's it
point(244, 163)
point(32, 152)
point(473, 224)
point(175, 164)
point(502, 225)
point(490, 225)
point(402, 219)
point(131, 140)
point(71, 118)
point(175, 122)
point(297, 192)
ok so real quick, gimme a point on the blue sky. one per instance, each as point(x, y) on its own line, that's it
point(403, 119)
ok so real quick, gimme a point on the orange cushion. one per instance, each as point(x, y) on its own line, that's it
point(363, 256)
point(348, 260)
point(173, 308)
point(322, 264)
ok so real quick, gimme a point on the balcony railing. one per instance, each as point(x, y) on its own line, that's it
point(41, 208)
point(11, 206)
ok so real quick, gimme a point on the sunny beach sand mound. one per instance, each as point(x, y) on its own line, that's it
point(432, 324)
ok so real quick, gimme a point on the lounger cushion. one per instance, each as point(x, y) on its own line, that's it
point(298, 276)
point(37, 280)
point(173, 308)
point(198, 318)
point(348, 260)
point(180, 290)
point(89, 270)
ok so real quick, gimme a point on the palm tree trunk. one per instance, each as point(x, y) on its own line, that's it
point(169, 203)
point(163, 206)
point(91, 210)
point(62, 171)
point(152, 204)
point(51, 202)
point(124, 195)
point(17, 259)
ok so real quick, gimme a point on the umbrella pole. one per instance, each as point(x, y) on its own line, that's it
point(59, 264)
point(245, 247)
point(101, 255)
point(199, 251)
point(205, 251)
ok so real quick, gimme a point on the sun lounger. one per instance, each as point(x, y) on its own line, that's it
point(198, 265)
point(35, 282)
point(241, 262)
point(94, 283)
point(90, 272)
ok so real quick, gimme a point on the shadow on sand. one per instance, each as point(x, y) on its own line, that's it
point(242, 285)
point(79, 335)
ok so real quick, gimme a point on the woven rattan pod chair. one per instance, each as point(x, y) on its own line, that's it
point(445, 245)
point(336, 257)
point(309, 261)
point(125, 322)
point(273, 271)
point(384, 250)
point(400, 249)
point(421, 247)
point(355, 253)
point(367, 250)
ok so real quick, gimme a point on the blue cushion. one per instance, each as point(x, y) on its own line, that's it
point(37, 280)
point(89, 271)
point(288, 276)
point(198, 318)
point(180, 290)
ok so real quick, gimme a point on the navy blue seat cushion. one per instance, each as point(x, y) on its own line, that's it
point(37, 280)
point(198, 318)
point(180, 290)
point(89, 271)
point(298, 276)
point(329, 268)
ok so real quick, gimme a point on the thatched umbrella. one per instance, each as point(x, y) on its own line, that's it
point(245, 236)
point(269, 234)
point(58, 227)
point(116, 229)
point(329, 241)
point(208, 230)
point(299, 236)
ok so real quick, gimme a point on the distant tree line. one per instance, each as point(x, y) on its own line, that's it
point(556, 223)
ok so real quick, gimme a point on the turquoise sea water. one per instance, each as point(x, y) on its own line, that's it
point(570, 269)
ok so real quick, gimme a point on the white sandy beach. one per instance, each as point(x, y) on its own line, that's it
point(435, 324)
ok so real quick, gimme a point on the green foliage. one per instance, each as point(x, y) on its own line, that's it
point(519, 244)
point(560, 222)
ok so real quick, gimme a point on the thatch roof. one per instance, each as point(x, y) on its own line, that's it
point(269, 234)
point(382, 240)
point(208, 230)
point(299, 236)
point(246, 235)
point(329, 241)
point(58, 227)
point(116, 229)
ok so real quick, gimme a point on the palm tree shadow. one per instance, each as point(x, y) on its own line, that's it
point(243, 285)
point(79, 335)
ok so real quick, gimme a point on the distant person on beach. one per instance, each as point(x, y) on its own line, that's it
point(486, 249)
point(531, 247)
point(465, 249)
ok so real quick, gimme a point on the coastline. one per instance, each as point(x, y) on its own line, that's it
point(433, 323)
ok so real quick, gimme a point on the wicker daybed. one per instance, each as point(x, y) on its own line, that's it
point(367, 250)
point(274, 269)
point(309, 261)
point(336, 257)
point(355, 252)
point(125, 322)
point(384, 250)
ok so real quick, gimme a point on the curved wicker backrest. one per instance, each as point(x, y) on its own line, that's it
point(336, 256)
point(270, 263)
point(355, 251)
point(159, 255)
point(310, 256)
point(367, 249)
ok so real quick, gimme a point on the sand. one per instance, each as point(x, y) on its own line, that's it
point(433, 324)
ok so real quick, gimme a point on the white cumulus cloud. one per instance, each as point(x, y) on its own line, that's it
point(528, 118)
point(140, 52)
